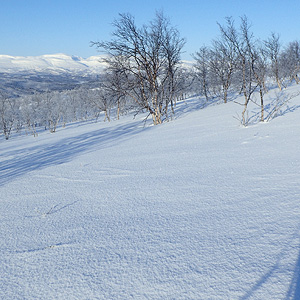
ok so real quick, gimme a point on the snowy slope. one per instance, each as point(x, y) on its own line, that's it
point(54, 62)
point(197, 208)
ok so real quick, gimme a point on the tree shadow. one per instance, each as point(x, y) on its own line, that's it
point(255, 116)
point(261, 281)
point(30, 159)
point(194, 103)
point(294, 288)
point(54, 209)
point(274, 110)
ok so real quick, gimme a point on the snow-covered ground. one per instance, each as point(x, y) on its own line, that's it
point(196, 208)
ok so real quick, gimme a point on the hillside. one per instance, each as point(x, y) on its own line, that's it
point(196, 208)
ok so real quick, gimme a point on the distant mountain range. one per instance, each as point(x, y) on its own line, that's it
point(27, 74)
point(54, 63)
point(21, 75)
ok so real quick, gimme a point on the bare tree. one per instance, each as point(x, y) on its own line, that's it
point(102, 99)
point(290, 61)
point(260, 72)
point(112, 84)
point(172, 46)
point(201, 66)
point(244, 45)
point(52, 106)
point(72, 101)
point(30, 106)
point(222, 65)
point(272, 50)
point(147, 59)
point(8, 114)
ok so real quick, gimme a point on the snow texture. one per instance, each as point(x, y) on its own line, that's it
point(197, 208)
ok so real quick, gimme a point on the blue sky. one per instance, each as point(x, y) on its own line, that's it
point(30, 27)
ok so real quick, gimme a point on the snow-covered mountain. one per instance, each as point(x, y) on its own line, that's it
point(52, 63)
point(22, 74)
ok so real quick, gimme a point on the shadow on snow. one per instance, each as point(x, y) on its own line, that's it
point(39, 157)
point(294, 287)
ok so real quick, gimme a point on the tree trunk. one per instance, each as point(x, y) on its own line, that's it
point(278, 83)
point(156, 117)
point(225, 95)
point(118, 110)
point(261, 103)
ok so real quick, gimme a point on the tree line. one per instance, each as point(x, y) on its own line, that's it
point(145, 73)
point(239, 63)
point(47, 110)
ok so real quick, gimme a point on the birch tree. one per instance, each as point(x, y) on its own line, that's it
point(242, 41)
point(148, 59)
point(202, 58)
point(222, 64)
point(290, 61)
point(272, 49)
point(8, 114)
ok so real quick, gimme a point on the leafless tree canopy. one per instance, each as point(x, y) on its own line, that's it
point(146, 62)
point(240, 63)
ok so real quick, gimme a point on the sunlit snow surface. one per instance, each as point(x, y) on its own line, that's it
point(197, 208)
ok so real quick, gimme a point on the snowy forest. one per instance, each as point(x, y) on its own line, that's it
point(144, 73)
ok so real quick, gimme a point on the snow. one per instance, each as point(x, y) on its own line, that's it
point(196, 208)
point(55, 62)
